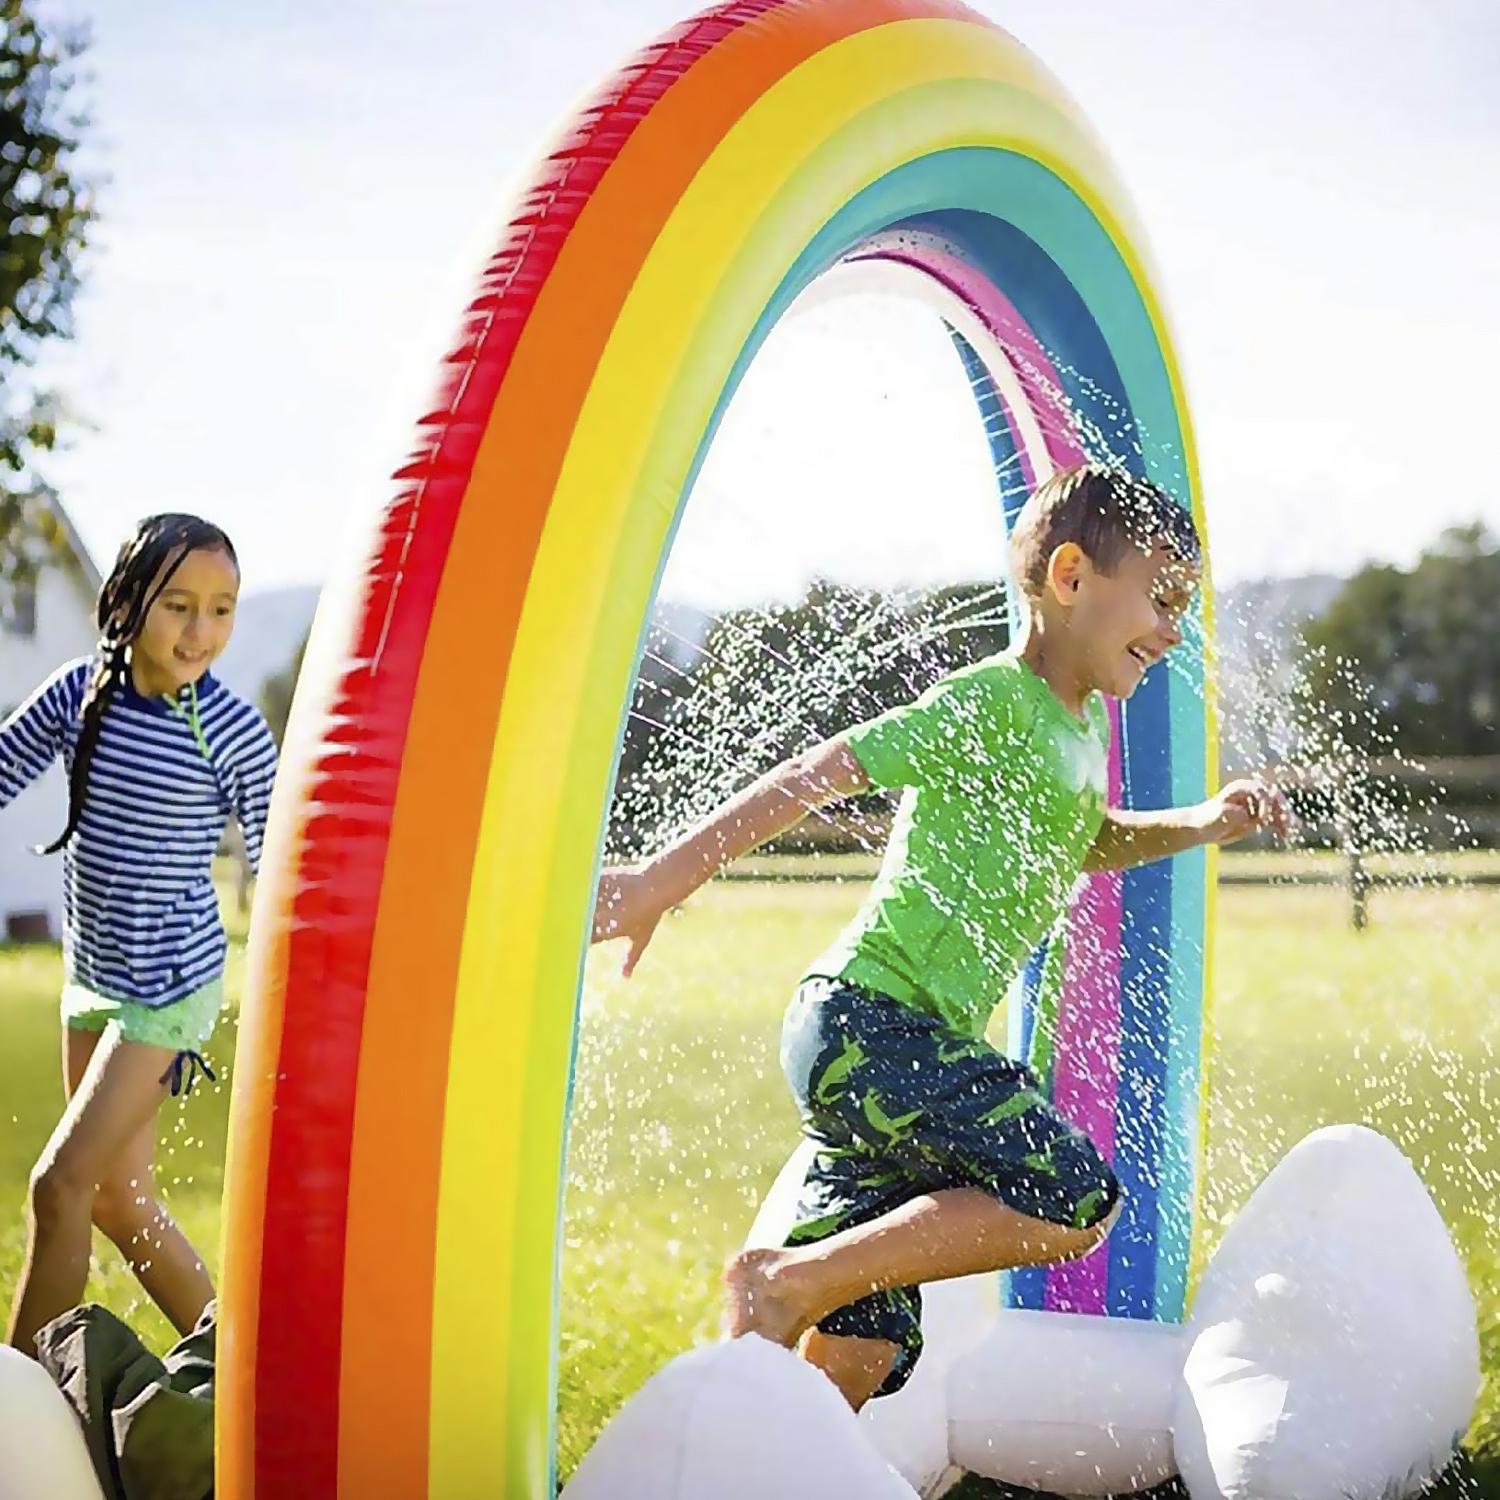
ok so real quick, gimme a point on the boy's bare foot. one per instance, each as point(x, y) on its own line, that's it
point(756, 1300)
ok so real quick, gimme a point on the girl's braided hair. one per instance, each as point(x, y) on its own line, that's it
point(158, 546)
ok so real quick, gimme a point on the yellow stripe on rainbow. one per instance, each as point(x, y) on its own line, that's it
point(495, 702)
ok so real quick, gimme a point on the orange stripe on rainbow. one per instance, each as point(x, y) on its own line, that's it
point(401, 1090)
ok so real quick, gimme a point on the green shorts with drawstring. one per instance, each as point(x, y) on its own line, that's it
point(899, 1104)
point(182, 1026)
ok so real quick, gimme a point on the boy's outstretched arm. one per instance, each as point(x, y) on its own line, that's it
point(1241, 808)
point(632, 900)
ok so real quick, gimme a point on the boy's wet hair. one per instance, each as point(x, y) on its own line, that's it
point(1106, 511)
point(158, 545)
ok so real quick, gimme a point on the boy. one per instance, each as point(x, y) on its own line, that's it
point(937, 1156)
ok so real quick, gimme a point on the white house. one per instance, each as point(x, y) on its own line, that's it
point(44, 627)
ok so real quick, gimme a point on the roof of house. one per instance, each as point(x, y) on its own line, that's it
point(91, 574)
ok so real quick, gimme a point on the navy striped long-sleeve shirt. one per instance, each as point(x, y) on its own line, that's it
point(140, 916)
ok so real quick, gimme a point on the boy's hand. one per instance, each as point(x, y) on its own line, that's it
point(626, 907)
point(1247, 806)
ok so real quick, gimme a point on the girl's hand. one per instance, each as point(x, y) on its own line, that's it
point(1247, 806)
point(627, 906)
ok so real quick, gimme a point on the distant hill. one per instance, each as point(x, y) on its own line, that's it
point(270, 626)
point(1257, 623)
point(1265, 612)
point(677, 631)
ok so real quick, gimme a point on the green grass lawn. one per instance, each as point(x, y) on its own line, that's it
point(682, 1119)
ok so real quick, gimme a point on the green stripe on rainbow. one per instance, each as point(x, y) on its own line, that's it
point(440, 831)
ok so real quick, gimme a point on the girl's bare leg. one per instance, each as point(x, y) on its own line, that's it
point(118, 1093)
point(129, 1212)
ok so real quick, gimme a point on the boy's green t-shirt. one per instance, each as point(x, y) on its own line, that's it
point(1005, 791)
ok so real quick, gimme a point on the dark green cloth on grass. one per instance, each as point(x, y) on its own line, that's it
point(148, 1422)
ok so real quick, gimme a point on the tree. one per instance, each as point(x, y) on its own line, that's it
point(1416, 654)
point(45, 212)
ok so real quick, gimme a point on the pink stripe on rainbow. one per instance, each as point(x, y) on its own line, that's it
point(1086, 1086)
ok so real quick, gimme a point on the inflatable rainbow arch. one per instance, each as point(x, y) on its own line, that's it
point(401, 1097)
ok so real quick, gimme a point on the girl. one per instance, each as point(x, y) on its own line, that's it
point(158, 753)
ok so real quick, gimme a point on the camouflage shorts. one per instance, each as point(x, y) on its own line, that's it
point(898, 1104)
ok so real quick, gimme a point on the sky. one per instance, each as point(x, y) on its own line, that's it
point(296, 198)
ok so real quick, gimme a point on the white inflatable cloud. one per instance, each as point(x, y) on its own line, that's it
point(1333, 1342)
point(745, 1420)
point(1071, 1404)
point(42, 1453)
